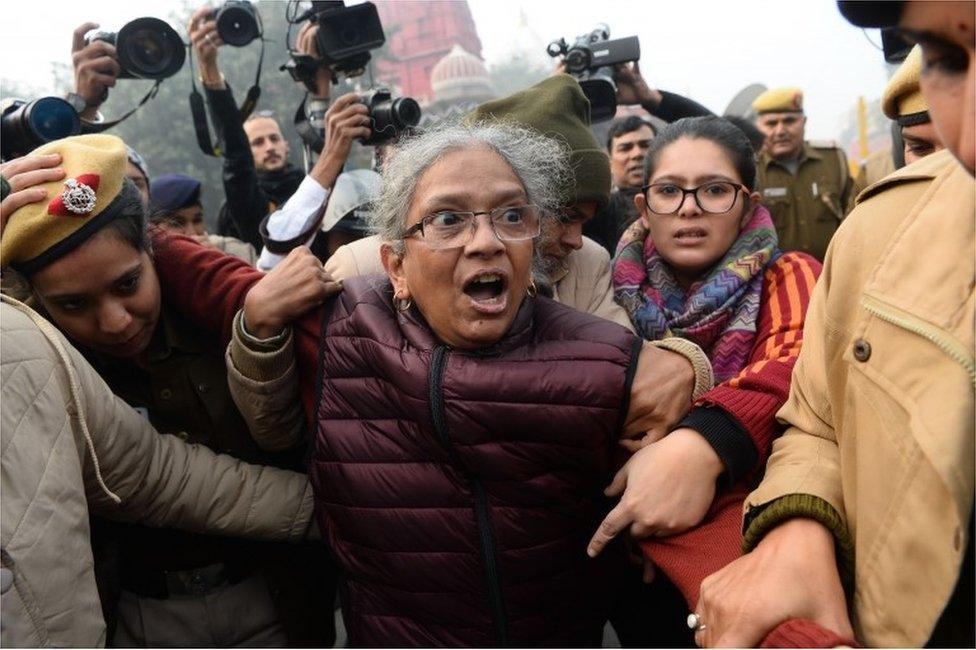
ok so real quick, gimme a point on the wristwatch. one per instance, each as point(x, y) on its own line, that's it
point(77, 102)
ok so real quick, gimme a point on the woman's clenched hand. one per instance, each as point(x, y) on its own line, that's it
point(665, 488)
point(293, 287)
point(792, 573)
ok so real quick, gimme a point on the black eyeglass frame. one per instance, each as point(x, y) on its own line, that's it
point(739, 187)
point(419, 226)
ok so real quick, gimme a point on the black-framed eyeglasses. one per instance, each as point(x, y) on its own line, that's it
point(715, 197)
point(456, 228)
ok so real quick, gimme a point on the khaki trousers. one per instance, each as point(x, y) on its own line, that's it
point(235, 616)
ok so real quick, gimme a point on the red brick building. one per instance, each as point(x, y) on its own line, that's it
point(419, 34)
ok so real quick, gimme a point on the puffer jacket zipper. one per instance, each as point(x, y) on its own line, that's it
point(435, 388)
point(898, 318)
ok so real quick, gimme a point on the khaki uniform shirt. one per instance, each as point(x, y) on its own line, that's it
point(880, 414)
point(807, 207)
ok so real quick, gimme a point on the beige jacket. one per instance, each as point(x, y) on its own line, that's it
point(69, 446)
point(880, 413)
point(584, 284)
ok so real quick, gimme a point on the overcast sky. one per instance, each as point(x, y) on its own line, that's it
point(707, 49)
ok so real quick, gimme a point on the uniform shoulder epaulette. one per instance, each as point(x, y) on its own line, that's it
point(923, 170)
point(823, 144)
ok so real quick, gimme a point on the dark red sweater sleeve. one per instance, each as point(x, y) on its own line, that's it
point(753, 396)
point(208, 287)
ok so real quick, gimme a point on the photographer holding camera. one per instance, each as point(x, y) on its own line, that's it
point(299, 221)
point(257, 175)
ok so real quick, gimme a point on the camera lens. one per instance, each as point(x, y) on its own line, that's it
point(149, 48)
point(577, 60)
point(236, 24)
point(25, 126)
point(52, 118)
point(405, 112)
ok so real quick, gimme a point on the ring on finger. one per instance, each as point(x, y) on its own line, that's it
point(208, 38)
point(695, 622)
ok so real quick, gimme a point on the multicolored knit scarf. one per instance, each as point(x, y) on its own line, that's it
point(718, 312)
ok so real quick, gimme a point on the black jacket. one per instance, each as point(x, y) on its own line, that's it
point(250, 195)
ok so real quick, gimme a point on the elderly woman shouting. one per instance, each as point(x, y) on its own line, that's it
point(464, 428)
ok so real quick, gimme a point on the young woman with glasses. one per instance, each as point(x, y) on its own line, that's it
point(702, 262)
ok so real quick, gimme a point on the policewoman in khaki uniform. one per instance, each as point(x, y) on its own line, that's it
point(806, 185)
point(84, 251)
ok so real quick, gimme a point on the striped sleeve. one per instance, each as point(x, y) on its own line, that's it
point(753, 396)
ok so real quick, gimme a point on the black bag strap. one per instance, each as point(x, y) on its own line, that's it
point(198, 107)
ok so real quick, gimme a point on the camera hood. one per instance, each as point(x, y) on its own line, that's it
point(148, 48)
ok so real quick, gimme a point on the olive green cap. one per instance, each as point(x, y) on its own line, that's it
point(557, 107)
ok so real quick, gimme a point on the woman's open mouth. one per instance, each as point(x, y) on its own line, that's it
point(690, 236)
point(486, 290)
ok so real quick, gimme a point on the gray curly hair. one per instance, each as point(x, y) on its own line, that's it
point(539, 162)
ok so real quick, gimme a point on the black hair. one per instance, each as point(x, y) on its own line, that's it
point(717, 130)
point(623, 125)
point(129, 220)
point(755, 136)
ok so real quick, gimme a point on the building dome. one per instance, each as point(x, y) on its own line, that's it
point(460, 77)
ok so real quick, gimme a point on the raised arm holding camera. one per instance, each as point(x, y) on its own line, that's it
point(257, 175)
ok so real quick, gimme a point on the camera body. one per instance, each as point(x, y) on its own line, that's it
point(147, 48)
point(237, 22)
point(26, 125)
point(591, 59)
point(346, 35)
point(388, 116)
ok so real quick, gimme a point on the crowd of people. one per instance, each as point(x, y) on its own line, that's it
point(698, 381)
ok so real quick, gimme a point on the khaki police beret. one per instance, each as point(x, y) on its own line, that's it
point(75, 209)
point(902, 100)
point(779, 100)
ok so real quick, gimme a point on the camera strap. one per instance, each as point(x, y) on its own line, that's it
point(88, 126)
point(198, 108)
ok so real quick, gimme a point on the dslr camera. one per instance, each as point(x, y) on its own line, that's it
point(591, 59)
point(24, 125)
point(237, 22)
point(389, 116)
point(147, 48)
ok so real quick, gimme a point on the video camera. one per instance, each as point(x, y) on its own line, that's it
point(345, 40)
point(591, 59)
point(24, 125)
point(147, 48)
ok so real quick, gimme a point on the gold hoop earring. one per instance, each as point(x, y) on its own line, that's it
point(532, 291)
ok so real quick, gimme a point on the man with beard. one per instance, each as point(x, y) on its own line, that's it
point(257, 175)
point(806, 185)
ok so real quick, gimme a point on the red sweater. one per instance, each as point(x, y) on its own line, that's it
point(751, 399)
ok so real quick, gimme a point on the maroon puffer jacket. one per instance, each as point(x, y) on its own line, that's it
point(458, 490)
